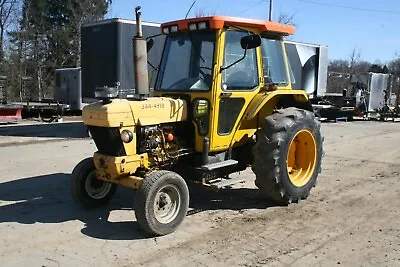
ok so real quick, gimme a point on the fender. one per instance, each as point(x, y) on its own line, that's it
point(299, 99)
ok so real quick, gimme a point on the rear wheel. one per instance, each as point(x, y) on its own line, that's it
point(162, 202)
point(287, 155)
point(86, 189)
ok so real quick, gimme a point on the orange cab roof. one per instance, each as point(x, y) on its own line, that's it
point(218, 22)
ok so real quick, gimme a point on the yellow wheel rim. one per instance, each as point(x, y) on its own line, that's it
point(302, 158)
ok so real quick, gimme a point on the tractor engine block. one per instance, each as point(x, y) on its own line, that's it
point(159, 142)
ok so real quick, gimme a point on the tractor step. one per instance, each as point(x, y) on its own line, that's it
point(226, 182)
point(219, 165)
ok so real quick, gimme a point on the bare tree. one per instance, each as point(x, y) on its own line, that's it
point(81, 13)
point(286, 18)
point(339, 71)
point(394, 65)
point(203, 13)
point(8, 9)
point(354, 59)
point(394, 68)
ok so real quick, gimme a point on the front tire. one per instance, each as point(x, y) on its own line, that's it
point(86, 189)
point(287, 155)
point(162, 202)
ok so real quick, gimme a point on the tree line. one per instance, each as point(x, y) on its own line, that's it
point(37, 37)
point(340, 70)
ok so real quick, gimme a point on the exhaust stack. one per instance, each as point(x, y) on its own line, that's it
point(140, 58)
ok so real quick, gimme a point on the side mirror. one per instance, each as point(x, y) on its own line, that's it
point(250, 41)
point(150, 44)
point(247, 42)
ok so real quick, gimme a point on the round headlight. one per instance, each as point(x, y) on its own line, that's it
point(126, 136)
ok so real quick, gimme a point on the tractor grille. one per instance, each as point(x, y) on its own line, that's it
point(108, 141)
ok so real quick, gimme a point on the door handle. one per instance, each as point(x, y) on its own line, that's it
point(225, 94)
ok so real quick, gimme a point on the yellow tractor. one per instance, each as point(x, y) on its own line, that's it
point(222, 103)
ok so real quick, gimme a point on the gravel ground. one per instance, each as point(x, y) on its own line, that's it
point(350, 219)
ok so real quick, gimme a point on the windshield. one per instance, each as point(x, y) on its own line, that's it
point(187, 62)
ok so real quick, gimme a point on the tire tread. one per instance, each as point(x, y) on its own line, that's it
point(79, 173)
point(267, 154)
point(142, 200)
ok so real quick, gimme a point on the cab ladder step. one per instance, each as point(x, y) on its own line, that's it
point(219, 165)
point(226, 182)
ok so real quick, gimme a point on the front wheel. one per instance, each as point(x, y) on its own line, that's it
point(162, 202)
point(86, 189)
point(287, 155)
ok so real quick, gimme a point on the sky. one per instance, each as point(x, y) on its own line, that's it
point(370, 27)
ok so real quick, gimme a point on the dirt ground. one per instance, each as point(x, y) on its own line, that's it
point(350, 219)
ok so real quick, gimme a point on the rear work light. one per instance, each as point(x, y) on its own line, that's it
point(198, 26)
point(192, 26)
point(202, 25)
point(170, 29)
point(165, 30)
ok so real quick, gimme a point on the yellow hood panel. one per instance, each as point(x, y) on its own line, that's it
point(122, 112)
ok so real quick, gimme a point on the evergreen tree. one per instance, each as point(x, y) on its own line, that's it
point(49, 38)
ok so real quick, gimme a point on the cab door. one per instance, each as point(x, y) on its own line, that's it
point(236, 86)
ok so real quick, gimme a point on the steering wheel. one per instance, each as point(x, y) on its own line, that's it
point(205, 77)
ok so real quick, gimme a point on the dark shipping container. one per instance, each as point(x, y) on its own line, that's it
point(107, 54)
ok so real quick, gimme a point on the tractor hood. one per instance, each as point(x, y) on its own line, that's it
point(122, 112)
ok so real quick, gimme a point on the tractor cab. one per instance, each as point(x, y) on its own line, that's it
point(220, 65)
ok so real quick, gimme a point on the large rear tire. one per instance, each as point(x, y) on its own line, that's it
point(162, 202)
point(86, 189)
point(287, 155)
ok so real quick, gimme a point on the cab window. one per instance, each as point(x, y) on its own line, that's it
point(273, 61)
point(244, 74)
